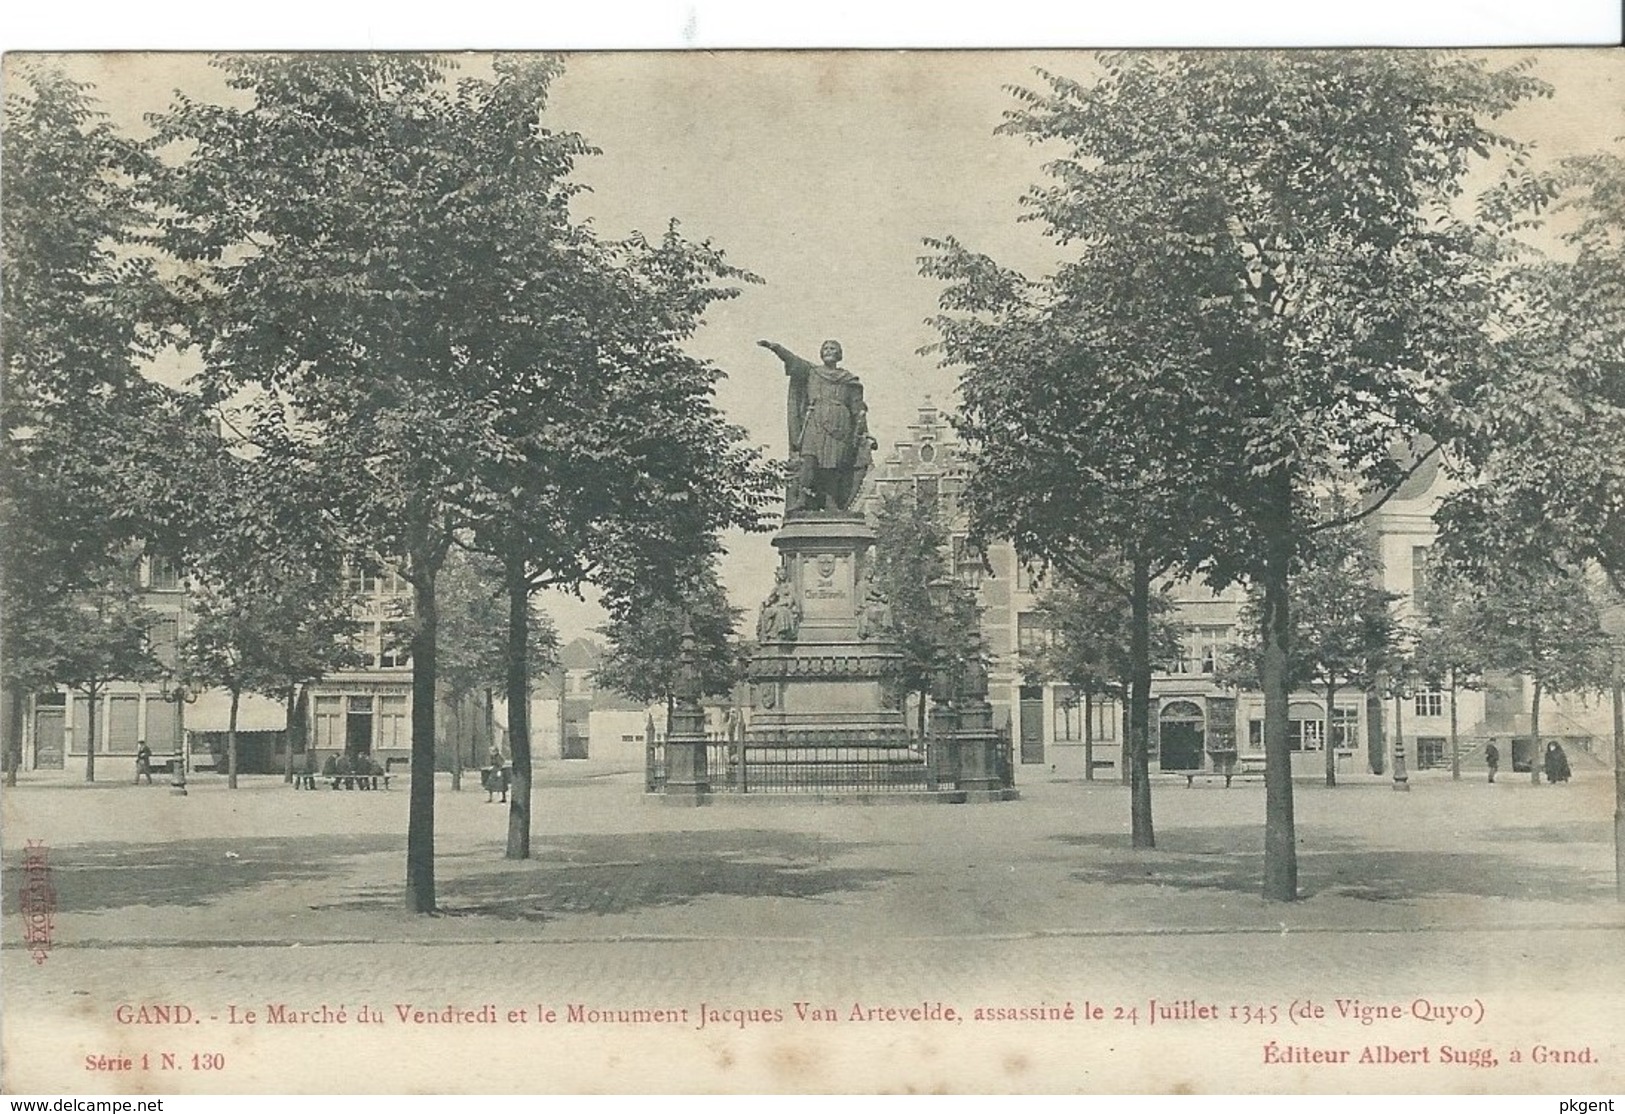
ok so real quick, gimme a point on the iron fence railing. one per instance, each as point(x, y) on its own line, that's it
point(830, 762)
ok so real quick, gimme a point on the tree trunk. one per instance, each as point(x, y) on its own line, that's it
point(288, 734)
point(420, 809)
point(92, 696)
point(490, 729)
point(1280, 829)
point(1143, 834)
point(1088, 737)
point(1125, 761)
point(16, 709)
point(457, 745)
point(1619, 769)
point(1328, 742)
point(231, 740)
point(1376, 747)
point(1455, 736)
point(1534, 736)
point(518, 585)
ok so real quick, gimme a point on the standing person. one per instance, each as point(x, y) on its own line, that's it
point(1557, 764)
point(496, 776)
point(143, 763)
point(1492, 759)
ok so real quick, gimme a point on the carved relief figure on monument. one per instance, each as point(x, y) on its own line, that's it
point(874, 611)
point(828, 425)
point(781, 614)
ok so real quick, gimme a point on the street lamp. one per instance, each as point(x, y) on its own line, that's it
point(179, 692)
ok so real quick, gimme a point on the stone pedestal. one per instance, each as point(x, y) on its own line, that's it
point(831, 677)
point(688, 780)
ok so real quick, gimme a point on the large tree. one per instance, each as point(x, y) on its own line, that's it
point(911, 558)
point(1278, 280)
point(79, 424)
point(615, 465)
point(1537, 439)
point(385, 251)
point(341, 221)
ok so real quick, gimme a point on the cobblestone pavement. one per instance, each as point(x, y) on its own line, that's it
point(1453, 893)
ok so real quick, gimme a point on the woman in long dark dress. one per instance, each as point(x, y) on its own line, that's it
point(1557, 764)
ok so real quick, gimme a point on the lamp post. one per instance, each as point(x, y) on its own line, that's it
point(180, 693)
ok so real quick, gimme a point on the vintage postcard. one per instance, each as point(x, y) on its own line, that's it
point(758, 572)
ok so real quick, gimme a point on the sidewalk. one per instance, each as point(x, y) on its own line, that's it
point(135, 866)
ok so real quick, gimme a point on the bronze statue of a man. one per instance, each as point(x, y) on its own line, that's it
point(829, 430)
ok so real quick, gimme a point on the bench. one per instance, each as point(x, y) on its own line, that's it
point(1243, 769)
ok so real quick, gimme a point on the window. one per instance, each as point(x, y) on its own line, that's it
point(1429, 752)
point(1068, 718)
point(1302, 733)
point(1032, 632)
point(161, 574)
point(329, 725)
point(1429, 702)
point(925, 491)
point(1104, 715)
point(161, 725)
point(393, 729)
point(395, 646)
point(1345, 727)
point(363, 582)
point(1419, 569)
point(123, 724)
point(162, 637)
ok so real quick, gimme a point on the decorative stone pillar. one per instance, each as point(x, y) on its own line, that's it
point(978, 742)
point(687, 779)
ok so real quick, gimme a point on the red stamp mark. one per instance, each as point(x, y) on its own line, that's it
point(38, 900)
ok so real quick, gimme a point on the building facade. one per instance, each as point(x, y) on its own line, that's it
point(1197, 723)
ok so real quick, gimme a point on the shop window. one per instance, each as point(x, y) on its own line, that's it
point(1429, 752)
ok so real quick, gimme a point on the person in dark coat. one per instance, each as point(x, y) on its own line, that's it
point(1492, 759)
point(143, 763)
point(1557, 763)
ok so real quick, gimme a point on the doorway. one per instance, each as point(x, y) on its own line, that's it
point(48, 737)
point(358, 726)
point(1183, 734)
point(1032, 724)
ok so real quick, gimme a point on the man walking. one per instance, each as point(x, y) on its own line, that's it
point(1492, 759)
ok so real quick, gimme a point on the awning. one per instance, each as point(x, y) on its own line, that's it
point(212, 712)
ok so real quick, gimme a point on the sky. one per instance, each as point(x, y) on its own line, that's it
point(822, 172)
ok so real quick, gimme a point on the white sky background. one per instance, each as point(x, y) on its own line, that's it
point(821, 173)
